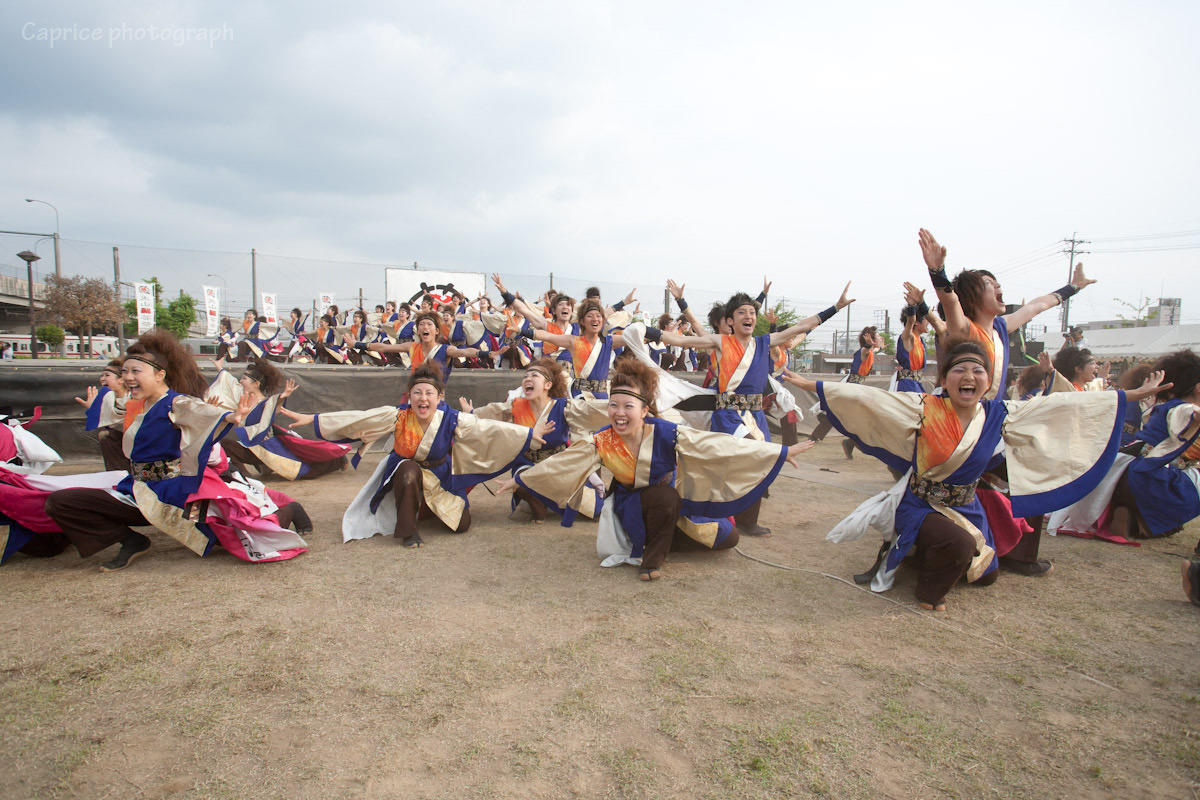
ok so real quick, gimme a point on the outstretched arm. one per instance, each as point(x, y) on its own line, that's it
point(1153, 385)
point(935, 259)
point(676, 290)
point(461, 352)
point(805, 325)
point(557, 339)
point(1048, 301)
point(708, 342)
point(535, 318)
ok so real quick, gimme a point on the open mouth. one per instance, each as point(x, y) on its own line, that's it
point(966, 391)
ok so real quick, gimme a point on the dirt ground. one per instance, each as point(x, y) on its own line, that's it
point(506, 663)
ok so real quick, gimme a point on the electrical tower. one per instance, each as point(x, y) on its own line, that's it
point(1074, 242)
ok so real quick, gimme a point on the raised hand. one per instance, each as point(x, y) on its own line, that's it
point(288, 388)
point(1152, 385)
point(629, 297)
point(912, 295)
point(676, 289)
point(465, 405)
point(300, 419)
point(771, 316)
point(1105, 370)
point(766, 285)
point(933, 253)
point(245, 405)
point(1047, 366)
point(499, 283)
point(1078, 279)
point(540, 430)
point(843, 301)
point(91, 394)
point(348, 339)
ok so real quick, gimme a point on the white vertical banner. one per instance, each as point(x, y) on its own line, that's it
point(325, 302)
point(268, 309)
point(143, 293)
point(212, 310)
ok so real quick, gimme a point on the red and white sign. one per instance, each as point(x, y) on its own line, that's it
point(143, 294)
point(212, 310)
point(268, 309)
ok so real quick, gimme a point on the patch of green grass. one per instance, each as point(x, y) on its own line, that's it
point(633, 774)
point(574, 703)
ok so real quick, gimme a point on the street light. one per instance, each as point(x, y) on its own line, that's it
point(28, 256)
point(57, 263)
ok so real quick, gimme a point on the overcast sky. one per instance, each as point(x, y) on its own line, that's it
point(612, 143)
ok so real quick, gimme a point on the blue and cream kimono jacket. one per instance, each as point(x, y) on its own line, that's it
point(259, 335)
point(590, 364)
point(1165, 480)
point(455, 452)
point(716, 476)
point(1059, 448)
point(742, 372)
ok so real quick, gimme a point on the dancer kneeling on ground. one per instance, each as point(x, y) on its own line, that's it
point(171, 486)
point(949, 439)
point(258, 441)
point(665, 477)
point(544, 397)
point(437, 456)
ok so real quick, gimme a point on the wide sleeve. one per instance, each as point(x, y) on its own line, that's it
point(719, 475)
point(102, 412)
point(483, 448)
point(1059, 447)
point(559, 478)
point(200, 426)
point(496, 411)
point(256, 427)
point(883, 424)
point(350, 426)
point(585, 416)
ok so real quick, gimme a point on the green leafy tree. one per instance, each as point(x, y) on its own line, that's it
point(177, 316)
point(51, 335)
point(889, 342)
point(1141, 315)
point(783, 317)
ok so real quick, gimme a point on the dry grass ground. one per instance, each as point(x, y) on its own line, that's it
point(506, 663)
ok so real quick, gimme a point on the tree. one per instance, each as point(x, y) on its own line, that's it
point(177, 316)
point(51, 335)
point(784, 318)
point(1141, 317)
point(82, 304)
point(889, 342)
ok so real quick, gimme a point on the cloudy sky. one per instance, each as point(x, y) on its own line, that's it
point(618, 143)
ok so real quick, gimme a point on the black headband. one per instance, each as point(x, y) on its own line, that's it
point(145, 359)
point(630, 392)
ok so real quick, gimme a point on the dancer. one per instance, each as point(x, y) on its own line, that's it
point(106, 414)
point(171, 486)
point(258, 441)
point(1076, 370)
point(437, 456)
point(948, 439)
point(257, 338)
point(869, 343)
point(742, 363)
point(543, 396)
point(671, 484)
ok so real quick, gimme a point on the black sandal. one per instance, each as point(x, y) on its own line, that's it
point(650, 573)
point(1030, 569)
point(412, 541)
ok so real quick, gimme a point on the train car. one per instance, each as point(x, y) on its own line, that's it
point(105, 347)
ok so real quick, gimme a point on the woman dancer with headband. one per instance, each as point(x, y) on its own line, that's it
point(544, 397)
point(106, 414)
point(665, 477)
point(426, 349)
point(948, 441)
point(258, 441)
point(437, 456)
point(171, 486)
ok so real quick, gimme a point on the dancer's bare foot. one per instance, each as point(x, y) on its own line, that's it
point(649, 573)
point(412, 541)
point(932, 607)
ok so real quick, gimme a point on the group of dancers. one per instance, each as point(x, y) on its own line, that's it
point(690, 466)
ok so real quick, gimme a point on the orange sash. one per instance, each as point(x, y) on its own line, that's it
point(580, 352)
point(868, 361)
point(132, 409)
point(941, 431)
point(417, 354)
point(522, 413)
point(731, 355)
point(547, 348)
point(408, 433)
point(978, 334)
point(615, 455)
point(1193, 452)
point(246, 325)
point(916, 356)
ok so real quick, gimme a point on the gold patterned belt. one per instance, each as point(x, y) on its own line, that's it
point(908, 374)
point(155, 470)
point(538, 456)
point(740, 402)
point(944, 494)
point(588, 385)
point(856, 378)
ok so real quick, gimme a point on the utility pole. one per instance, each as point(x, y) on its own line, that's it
point(666, 301)
point(552, 281)
point(117, 289)
point(1074, 242)
point(254, 301)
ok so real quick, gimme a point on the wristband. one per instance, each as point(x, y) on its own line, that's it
point(653, 335)
point(772, 328)
point(1065, 293)
point(922, 310)
point(509, 298)
point(360, 346)
point(617, 306)
point(762, 298)
point(825, 315)
point(940, 281)
point(683, 306)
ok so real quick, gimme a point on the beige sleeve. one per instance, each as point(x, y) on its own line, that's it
point(484, 445)
point(718, 467)
point(1054, 439)
point(878, 418)
point(586, 416)
point(226, 390)
point(365, 426)
point(198, 422)
point(561, 476)
point(498, 411)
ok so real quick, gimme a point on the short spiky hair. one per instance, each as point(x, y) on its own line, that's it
point(968, 285)
point(1070, 359)
point(1182, 368)
point(737, 301)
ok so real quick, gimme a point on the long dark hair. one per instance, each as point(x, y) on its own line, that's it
point(162, 348)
